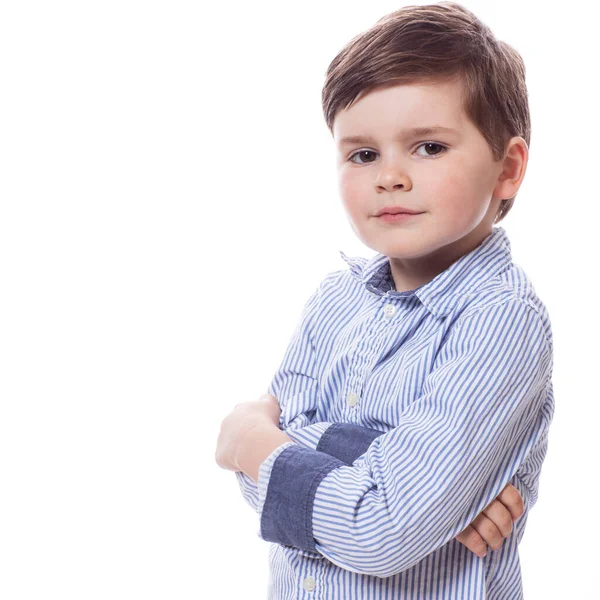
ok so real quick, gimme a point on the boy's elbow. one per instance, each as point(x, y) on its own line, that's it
point(396, 565)
point(381, 560)
point(394, 568)
point(383, 571)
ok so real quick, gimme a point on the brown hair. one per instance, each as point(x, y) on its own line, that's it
point(437, 42)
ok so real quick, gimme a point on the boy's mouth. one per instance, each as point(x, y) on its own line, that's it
point(394, 210)
point(389, 217)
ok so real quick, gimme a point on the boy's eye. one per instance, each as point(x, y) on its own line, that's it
point(434, 145)
point(362, 153)
point(428, 145)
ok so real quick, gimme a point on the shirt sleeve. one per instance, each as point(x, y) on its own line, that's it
point(295, 384)
point(296, 387)
point(482, 409)
point(345, 441)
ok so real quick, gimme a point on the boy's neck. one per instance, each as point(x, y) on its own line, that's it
point(409, 274)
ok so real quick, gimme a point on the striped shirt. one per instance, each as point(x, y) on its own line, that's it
point(410, 412)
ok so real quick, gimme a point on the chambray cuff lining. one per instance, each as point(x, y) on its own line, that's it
point(347, 441)
point(288, 508)
point(264, 474)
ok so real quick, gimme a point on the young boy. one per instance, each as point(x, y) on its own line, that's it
point(417, 384)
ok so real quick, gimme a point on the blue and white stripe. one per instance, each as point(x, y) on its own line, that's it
point(410, 412)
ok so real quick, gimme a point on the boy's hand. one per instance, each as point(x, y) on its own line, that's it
point(241, 420)
point(493, 523)
point(266, 407)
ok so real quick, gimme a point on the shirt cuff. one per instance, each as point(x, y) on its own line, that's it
point(264, 473)
point(347, 441)
point(287, 482)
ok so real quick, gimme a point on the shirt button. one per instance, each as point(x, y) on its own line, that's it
point(389, 310)
point(309, 583)
point(352, 399)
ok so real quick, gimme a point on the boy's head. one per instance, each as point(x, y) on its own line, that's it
point(425, 66)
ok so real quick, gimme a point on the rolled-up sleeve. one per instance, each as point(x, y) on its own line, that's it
point(480, 413)
point(344, 441)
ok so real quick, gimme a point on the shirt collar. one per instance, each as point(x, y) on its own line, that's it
point(440, 294)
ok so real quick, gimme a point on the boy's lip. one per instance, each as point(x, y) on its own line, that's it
point(394, 210)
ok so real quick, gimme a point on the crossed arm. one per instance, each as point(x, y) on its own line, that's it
point(484, 403)
point(347, 442)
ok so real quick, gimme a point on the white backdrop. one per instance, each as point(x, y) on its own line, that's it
point(168, 203)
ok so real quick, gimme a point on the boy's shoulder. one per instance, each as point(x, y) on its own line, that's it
point(512, 283)
point(334, 279)
point(508, 287)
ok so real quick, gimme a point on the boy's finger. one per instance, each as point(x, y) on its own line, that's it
point(488, 531)
point(473, 541)
point(511, 498)
point(500, 516)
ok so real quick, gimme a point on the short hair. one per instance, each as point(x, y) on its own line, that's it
point(437, 43)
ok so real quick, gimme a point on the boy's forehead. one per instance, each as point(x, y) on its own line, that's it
point(409, 107)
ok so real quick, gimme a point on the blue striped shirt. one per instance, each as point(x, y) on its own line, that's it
point(410, 412)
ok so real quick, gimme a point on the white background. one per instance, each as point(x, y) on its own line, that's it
point(168, 203)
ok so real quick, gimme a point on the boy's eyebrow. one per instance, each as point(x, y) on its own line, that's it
point(415, 131)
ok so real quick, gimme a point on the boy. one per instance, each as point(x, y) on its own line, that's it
point(417, 384)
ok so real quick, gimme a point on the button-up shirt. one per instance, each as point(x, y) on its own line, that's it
point(410, 412)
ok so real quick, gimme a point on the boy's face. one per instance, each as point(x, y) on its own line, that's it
point(452, 180)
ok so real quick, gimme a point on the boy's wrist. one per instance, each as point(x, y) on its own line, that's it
point(256, 444)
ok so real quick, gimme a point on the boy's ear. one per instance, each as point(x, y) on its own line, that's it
point(514, 165)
